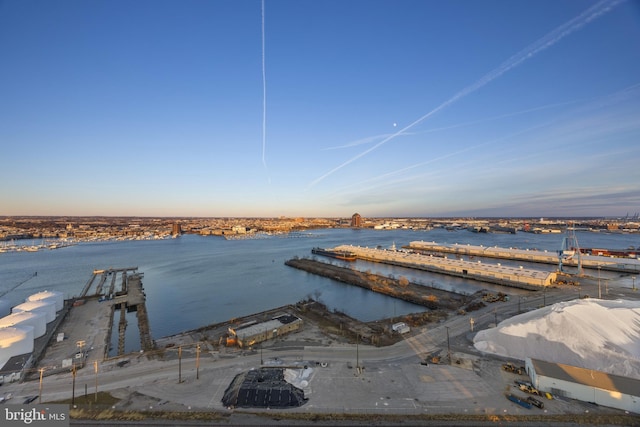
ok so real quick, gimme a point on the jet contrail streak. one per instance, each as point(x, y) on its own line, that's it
point(264, 99)
point(529, 52)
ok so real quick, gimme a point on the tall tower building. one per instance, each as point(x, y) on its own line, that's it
point(176, 230)
point(356, 220)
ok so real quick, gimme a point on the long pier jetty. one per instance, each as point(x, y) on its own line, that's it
point(431, 298)
point(625, 265)
point(522, 278)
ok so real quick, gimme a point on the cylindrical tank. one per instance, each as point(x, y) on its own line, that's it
point(15, 341)
point(5, 308)
point(36, 319)
point(54, 296)
point(48, 308)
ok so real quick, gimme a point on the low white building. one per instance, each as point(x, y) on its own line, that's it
point(586, 385)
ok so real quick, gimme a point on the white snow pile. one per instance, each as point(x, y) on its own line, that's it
point(597, 334)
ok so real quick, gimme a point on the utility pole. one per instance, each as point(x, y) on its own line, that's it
point(95, 369)
point(198, 360)
point(40, 389)
point(357, 354)
point(73, 387)
point(448, 346)
point(179, 364)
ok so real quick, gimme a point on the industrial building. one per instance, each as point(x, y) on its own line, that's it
point(586, 385)
point(495, 273)
point(251, 333)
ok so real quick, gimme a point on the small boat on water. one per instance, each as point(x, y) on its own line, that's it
point(343, 255)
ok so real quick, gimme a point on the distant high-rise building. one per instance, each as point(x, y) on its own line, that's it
point(176, 230)
point(356, 220)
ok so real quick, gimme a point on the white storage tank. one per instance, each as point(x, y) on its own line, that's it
point(48, 308)
point(5, 308)
point(54, 296)
point(15, 341)
point(35, 319)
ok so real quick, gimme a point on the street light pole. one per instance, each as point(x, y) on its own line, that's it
point(599, 289)
point(634, 282)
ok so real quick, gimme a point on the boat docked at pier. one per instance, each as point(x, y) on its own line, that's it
point(343, 255)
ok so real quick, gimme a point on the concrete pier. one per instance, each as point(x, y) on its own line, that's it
point(627, 265)
point(508, 276)
point(131, 298)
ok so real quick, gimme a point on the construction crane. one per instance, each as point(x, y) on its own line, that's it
point(570, 249)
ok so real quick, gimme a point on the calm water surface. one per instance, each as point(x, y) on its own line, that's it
point(192, 281)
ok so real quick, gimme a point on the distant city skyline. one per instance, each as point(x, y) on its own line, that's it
point(320, 109)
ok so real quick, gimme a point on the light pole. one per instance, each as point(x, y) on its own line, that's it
point(634, 282)
point(599, 289)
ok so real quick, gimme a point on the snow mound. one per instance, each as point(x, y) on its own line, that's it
point(603, 335)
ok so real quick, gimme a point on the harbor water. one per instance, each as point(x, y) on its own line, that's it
point(192, 281)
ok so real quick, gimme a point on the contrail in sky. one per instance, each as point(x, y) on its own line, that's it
point(529, 52)
point(264, 100)
point(372, 139)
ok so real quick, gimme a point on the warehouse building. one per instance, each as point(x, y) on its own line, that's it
point(249, 334)
point(586, 385)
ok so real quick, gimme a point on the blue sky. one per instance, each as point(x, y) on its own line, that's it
point(382, 107)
